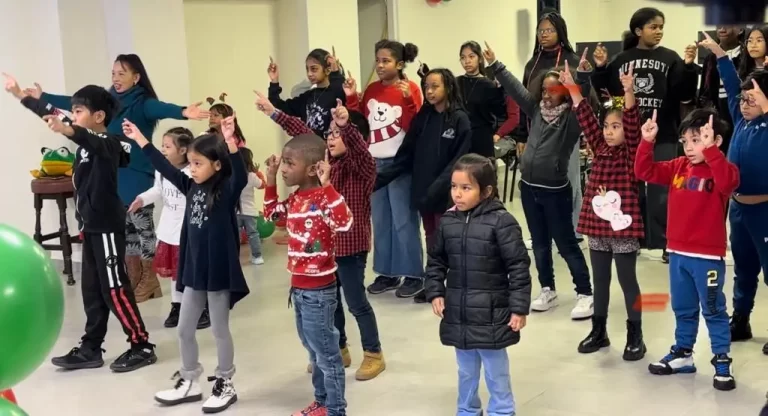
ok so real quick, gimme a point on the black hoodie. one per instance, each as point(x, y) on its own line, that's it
point(313, 107)
point(431, 147)
point(99, 209)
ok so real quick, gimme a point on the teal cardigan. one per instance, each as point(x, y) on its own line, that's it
point(145, 112)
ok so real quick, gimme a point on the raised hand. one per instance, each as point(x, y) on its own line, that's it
point(228, 130)
point(600, 55)
point(565, 76)
point(340, 114)
point(423, 70)
point(757, 95)
point(58, 126)
point(438, 306)
point(628, 79)
point(584, 64)
point(324, 169)
point(12, 86)
point(404, 86)
point(489, 54)
point(273, 164)
point(350, 85)
point(650, 128)
point(333, 62)
point(136, 205)
point(36, 92)
point(194, 112)
point(713, 46)
point(132, 132)
point(690, 53)
point(273, 71)
point(517, 322)
point(263, 104)
point(707, 133)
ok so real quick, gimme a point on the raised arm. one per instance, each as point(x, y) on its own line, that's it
point(274, 209)
point(724, 173)
point(516, 261)
point(513, 87)
point(590, 126)
point(178, 178)
point(646, 169)
point(357, 147)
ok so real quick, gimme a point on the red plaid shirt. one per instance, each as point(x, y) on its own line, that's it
point(612, 170)
point(353, 175)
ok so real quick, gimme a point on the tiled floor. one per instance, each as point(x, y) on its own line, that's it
point(549, 377)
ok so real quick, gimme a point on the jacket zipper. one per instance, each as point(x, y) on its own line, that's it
point(77, 201)
point(464, 282)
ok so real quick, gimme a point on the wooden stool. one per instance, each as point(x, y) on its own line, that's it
point(60, 190)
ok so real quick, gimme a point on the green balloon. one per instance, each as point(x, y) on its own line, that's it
point(265, 228)
point(9, 409)
point(31, 306)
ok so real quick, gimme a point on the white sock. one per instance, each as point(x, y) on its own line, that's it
point(176, 295)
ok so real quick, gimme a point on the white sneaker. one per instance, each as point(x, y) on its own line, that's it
point(257, 260)
point(184, 391)
point(546, 300)
point(222, 396)
point(585, 307)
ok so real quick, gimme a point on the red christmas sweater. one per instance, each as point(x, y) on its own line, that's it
point(313, 217)
point(697, 197)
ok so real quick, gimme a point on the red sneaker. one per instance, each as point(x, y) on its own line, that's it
point(314, 409)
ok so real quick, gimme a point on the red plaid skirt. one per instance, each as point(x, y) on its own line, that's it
point(166, 260)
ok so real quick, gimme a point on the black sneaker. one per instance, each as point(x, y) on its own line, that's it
point(383, 284)
point(135, 358)
point(173, 317)
point(205, 319)
point(410, 288)
point(723, 379)
point(741, 330)
point(420, 298)
point(597, 338)
point(80, 358)
point(635, 349)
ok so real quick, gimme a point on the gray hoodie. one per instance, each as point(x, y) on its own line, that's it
point(550, 145)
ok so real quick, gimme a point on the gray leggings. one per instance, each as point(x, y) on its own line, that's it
point(192, 305)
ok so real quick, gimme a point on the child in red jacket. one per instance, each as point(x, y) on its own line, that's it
point(700, 184)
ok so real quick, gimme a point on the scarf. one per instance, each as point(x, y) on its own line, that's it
point(551, 114)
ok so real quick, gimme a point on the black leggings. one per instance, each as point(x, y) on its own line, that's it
point(601, 273)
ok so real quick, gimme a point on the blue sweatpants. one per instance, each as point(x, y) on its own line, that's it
point(696, 281)
point(496, 365)
point(749, 244)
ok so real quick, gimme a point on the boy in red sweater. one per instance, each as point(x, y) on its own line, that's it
point(700, 184)
point(315, 212)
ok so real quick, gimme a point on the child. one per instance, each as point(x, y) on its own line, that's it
point(662, 82)
point(314, 106)
point(756, 51)
point(700, 184)
point(219, 112)
point(749, 209)
point(610, 215)
point(440, 134)
point(478, 283)
point(175, 145)
point(544, 186)
point(353, 172)
point(315, 213)
point(248, 211)
point(390, 105)
point(105, 283)
point(209, 265)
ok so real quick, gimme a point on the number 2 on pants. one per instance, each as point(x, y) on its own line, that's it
point(712, 291)
point(712, 278)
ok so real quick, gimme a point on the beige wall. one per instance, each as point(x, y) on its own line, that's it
point(372, 24)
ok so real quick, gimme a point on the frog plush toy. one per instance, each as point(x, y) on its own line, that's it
point(56, 162)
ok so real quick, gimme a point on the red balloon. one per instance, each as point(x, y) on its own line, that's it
point(433, 2)
point(8, 395)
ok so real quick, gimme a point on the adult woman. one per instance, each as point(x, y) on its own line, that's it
point(138, 103)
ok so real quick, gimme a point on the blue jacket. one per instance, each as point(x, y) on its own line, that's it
point(145, 112)
point(749, 143)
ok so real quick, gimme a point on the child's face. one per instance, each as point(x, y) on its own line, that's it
point(756, 44)
point(335, 143)
point(214, 120)
point(652, 32)
point(316, 74)
point(470, 61)
point(201, 168)
point(435, 89)
point(387, 66)
point(123, 78)
point(83, 117)
point(728, 33)
point(294, 168)
point(465, 191)
point(749, 108)
point(613, 129)
point(547, 34)
point(176, 155)
point(694, 147)
point(552, 92)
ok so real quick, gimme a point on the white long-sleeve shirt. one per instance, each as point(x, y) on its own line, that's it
point(174, 204)
point(248, 196)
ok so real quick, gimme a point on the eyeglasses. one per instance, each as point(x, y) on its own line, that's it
point(547, 31)
point(747, 100)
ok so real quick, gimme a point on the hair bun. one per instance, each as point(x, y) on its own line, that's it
point(410, 52)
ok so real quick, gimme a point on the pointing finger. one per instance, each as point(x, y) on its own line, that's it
point(333, 51)
point(327, 155)
point(754, 84)
point(653, 117)
point(584, 54)
point(487, 46)
point(271, 61)
point(338, 102)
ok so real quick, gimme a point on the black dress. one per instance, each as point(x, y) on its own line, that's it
point(209, 251)
point(485, 104)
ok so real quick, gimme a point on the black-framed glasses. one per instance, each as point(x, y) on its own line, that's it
point(745, 98)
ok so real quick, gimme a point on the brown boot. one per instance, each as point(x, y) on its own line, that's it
point(346, 359)
point(373, 364)
point(148, 287)
point(133, 268)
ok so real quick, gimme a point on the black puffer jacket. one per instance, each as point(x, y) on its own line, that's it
point(480, 265)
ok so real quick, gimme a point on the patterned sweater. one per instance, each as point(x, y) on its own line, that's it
point(314, 216)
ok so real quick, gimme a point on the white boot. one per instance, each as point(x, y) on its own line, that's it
point(223, 395)
point(184, 391)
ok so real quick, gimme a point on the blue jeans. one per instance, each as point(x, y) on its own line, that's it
point(351, 274)
point(749, 230)
point(314, 322)
point(396, 236)
point(548, 214)
point(696, 281)
point(254, 240)
point(496, 365)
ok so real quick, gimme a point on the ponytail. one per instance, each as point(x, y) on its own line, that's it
point(629, 40)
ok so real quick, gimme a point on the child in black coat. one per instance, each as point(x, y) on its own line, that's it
point(478, 282)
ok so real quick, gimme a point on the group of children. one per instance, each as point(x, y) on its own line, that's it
point(389, 156)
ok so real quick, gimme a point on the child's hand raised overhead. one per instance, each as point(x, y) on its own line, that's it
point(132, 132)
point(340, 114)
point(324, 169)
point(707, 134)
point(565, 76)
point(194, 112)
point(12, 86)
point(350, 85)
point(650, 129)
point(489, 54)
point(757, 95)
point(228, 131)
point(273, 72)
point(600, 55)
point(628, 79)
point(36, 92)
point(333, 62)
point(713, 46)
point(584, 64)
point(263, 104)
point(273, 164)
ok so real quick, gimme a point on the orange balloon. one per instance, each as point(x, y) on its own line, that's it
point(8, 395)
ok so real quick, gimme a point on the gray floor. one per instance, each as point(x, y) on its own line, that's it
point(549, 377)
